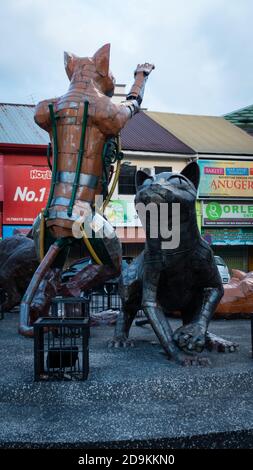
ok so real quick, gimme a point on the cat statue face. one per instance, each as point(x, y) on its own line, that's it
point(168, 188)
point(96, 69)
point(165, 204)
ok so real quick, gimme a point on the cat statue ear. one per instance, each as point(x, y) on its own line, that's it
point(102, 60)
point(192, 173)
point(140, 177)
point(69, 63)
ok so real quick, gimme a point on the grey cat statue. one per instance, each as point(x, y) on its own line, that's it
point(171, 277)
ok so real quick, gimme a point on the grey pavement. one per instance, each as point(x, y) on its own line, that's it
point(133, 397)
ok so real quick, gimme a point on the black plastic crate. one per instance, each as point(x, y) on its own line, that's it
point(61, 349)
point(70, 307)
point(104, 299)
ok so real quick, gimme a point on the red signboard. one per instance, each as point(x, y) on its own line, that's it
point(1, 177)
point(26, 191)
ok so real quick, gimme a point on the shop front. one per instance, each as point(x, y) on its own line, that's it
point(226, 189)
point(122, 215)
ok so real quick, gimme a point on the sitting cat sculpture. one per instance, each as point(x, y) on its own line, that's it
point(178, 276)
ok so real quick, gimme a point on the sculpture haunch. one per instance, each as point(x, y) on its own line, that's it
point(162, 280)
point(79, 124)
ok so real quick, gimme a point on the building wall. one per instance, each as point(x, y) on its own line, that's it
point(27, 182)
point(142, 162)
point(125, 202)
point(226, 196)
point(119, 94)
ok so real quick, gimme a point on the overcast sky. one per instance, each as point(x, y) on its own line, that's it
point(202, 49)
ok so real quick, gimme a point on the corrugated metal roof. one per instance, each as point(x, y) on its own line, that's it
point(242, 118)
point(206, 134)
point(141, 133)
point(17, 125)
point(144, 134)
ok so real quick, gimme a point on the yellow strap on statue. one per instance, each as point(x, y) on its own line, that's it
point(90, 247)
point(42, 236)
point(116, 177)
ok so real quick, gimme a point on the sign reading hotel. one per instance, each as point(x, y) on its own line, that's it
point(227, 214)
point(226, 178)
point(26, 190)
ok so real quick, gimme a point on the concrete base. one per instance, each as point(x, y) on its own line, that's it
point(132, 398)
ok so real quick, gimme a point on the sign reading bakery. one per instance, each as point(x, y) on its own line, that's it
point(26, 191)
point(227, 214)
point(226, 178)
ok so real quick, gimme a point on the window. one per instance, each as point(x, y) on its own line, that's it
point(161, 169)
point(127, 179)
point(146, 170)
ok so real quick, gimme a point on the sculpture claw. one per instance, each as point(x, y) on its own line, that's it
point(191, 360)
point(121, 343)
point(216, 343)
point(190, 337)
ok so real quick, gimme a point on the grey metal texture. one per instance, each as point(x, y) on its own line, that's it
point(17, 125)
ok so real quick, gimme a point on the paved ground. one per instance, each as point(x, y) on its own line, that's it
point(132, 398)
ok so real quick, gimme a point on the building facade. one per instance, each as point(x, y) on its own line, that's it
point(225, 196)
point(153, 142)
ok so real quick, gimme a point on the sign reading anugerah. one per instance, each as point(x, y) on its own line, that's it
point(227, 214)
point(225, 179)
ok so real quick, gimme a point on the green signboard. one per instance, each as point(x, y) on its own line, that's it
point(228, 214)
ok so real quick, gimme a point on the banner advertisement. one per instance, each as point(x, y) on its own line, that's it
point(26, 191)
point(236, 236)
point(121, 213)
point(226, 178)
point(225, 214)
point(1, 178)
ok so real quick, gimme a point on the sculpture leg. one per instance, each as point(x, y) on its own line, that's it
point(192, 336)
point(131, 303)
point(47, 289)
point(158, 319)
point(130, 289)
point(123, 325)
point(24, 328)
point(91, 276)
point(18, 263)
point(213, 342)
